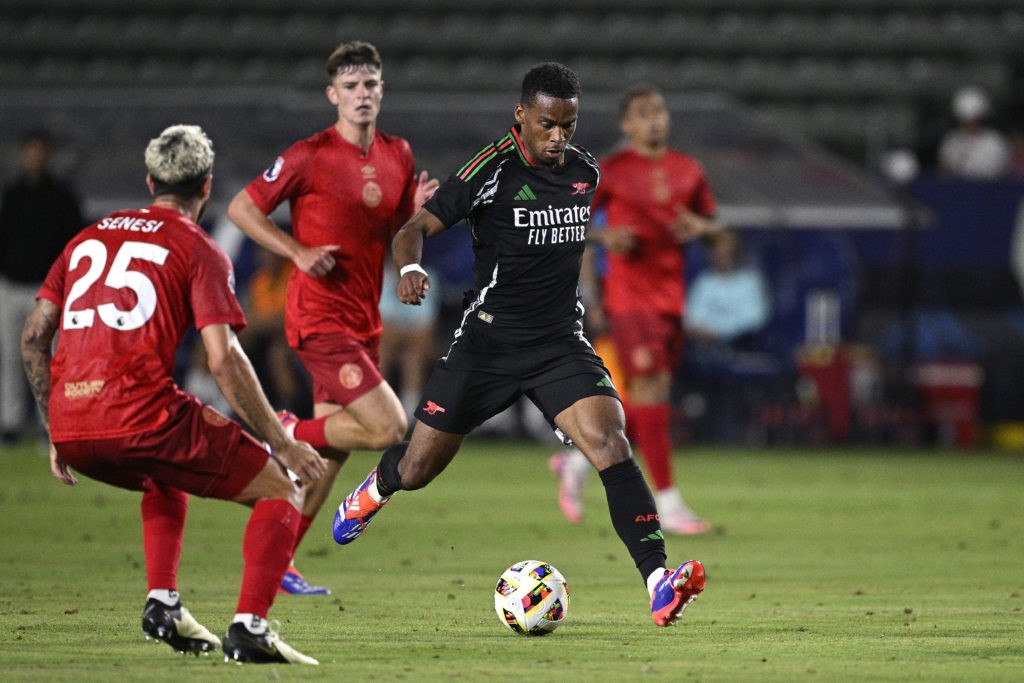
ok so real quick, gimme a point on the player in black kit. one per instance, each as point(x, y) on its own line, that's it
point(526, 198)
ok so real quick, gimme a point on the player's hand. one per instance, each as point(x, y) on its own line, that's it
point(59, 468)
point(619, 240)
point(688, 226)
point(413, 288)
point(425, 189)
point(302, 460)
point(315, 261)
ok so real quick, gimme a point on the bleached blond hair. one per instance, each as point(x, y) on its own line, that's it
point(181, 154)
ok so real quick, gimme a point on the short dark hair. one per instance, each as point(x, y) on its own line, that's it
point(549, 78)
point(639, 90)
point(352, 54)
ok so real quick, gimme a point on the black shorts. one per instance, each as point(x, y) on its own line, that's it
point(480, 376)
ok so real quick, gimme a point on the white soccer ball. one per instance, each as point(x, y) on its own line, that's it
point(531, 598)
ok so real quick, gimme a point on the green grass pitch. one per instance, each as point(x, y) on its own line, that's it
point(822, 566)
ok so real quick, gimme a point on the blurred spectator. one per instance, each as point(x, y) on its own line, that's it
point(727, 302)
point(973, 150)
point(39, 214)
point(725, 366)
point(408, 343)
point(1017, 154)
point(264, 339)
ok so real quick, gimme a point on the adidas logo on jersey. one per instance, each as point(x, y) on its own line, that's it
point(525, 194)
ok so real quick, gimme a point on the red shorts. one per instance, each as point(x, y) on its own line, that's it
point(647, 343)
point(342, 368)
point(196, 450)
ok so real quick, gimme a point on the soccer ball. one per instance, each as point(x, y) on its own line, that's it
point(531, 598)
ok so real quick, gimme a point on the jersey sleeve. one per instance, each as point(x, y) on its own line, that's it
point(53, 286)
point(283, 179)
point(453, 200)
point(212, 288)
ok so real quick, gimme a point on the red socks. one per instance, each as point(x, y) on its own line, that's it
point(163, 526)
point(651, 431)
point(312, 432)
point(267, 549)
point(305, 522)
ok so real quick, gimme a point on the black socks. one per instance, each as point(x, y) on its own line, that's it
point(388, 479)
point(634, 515)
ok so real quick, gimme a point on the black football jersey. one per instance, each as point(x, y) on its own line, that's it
point(529, 224)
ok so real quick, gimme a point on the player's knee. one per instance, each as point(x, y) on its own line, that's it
point(605, 448)
point(388, 434)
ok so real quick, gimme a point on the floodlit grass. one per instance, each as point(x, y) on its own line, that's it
point(831, 566)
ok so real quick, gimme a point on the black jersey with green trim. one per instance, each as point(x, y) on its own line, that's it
point(529, 224)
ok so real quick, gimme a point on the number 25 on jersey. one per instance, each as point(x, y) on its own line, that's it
point(119, 275)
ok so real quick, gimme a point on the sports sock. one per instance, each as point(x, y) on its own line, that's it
point(267, 549)
point(253, 623)
point(388, 478)
point(164, 510)
point(165, 596)
point(651, 428)
point(652, 581)
point(305, 521)
point(634, 516)
point(312, 431)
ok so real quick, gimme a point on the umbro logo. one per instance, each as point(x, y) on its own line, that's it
point(525, 194)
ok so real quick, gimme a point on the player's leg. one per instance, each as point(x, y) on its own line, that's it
point(164, 618)
point(405, 466)
point(354, 408)
point(294, 583)
point(597, 426)
point(204, 453)
point(454, 403)
point(570, 465)
point(649, 346)
point(267, 547)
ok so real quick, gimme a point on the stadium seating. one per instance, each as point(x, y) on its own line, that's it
point(882, 58)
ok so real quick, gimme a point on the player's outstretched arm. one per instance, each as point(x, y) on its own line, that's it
point(407, 250)
point(251, 220)
point(237, 380)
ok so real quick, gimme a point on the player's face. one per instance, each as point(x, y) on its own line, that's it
point(357, 92)
point(547, 126)
point(646, 121)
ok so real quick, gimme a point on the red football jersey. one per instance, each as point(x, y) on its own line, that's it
point(338, 195)
point(646, 195)
point(128, 287)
